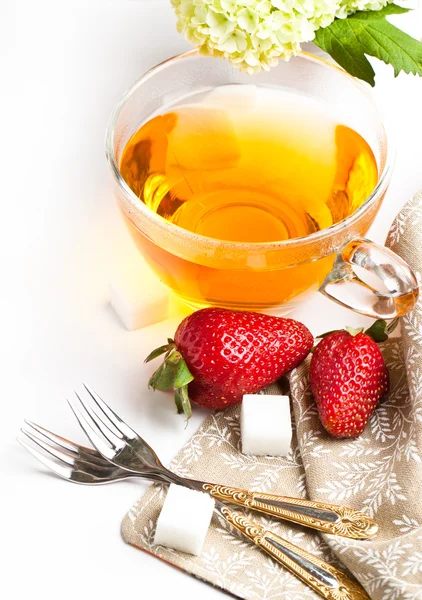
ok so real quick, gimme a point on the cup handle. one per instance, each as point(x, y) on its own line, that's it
point(398, 285)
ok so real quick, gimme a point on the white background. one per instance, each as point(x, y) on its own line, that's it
point(64, 66)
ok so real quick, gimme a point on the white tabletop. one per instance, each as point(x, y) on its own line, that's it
point(67, 64)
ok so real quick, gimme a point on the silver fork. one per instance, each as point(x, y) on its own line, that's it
point(72, 461)
point(121, 445)
point(83, 465)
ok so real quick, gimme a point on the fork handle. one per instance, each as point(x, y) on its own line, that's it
point(328, 518)
point(328, 581)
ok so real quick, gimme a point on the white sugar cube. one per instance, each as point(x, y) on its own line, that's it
point(138, 297)
point(184, 520)
point(265, 425)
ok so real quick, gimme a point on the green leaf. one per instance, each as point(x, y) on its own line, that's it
point(159, 351)
point(173, 374)
point(354, 330)
point(183, 376)
point(182, 401)
point(178, 401)
point(164, 377)
point(379, 330)
point(368, 33)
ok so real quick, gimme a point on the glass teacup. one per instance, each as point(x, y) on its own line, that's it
point(276, 276)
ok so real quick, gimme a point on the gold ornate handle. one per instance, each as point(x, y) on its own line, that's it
point(326, 580)
point(328, 518)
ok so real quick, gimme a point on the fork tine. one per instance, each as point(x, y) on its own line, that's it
point(67, 458)
point(88, 455)
point(60, 469)
point(93, 432)
point(122, 427)
point(60, 441)
point(98, 414)
point(80, 471)
point(113, 438)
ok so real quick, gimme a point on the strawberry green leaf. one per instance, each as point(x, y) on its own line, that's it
point(377, 331)
point(173, 374)
point(159, 351)
point(354, 330)
point(183, 375)
point(368, 33)
point(178, 401)
point(380, 330)
point(182, 401)
point(164, 377)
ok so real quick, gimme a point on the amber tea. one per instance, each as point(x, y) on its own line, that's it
point(246, 164)
point(266, 168)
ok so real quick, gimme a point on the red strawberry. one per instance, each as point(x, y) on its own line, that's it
point(348, 378)
point(218, 355)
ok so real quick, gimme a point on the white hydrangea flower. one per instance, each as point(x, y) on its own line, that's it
point(253, 34)
point(347, 7)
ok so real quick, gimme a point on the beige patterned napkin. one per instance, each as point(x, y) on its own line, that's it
point(380, 472)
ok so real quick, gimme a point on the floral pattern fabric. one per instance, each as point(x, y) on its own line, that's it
point(380, 473)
